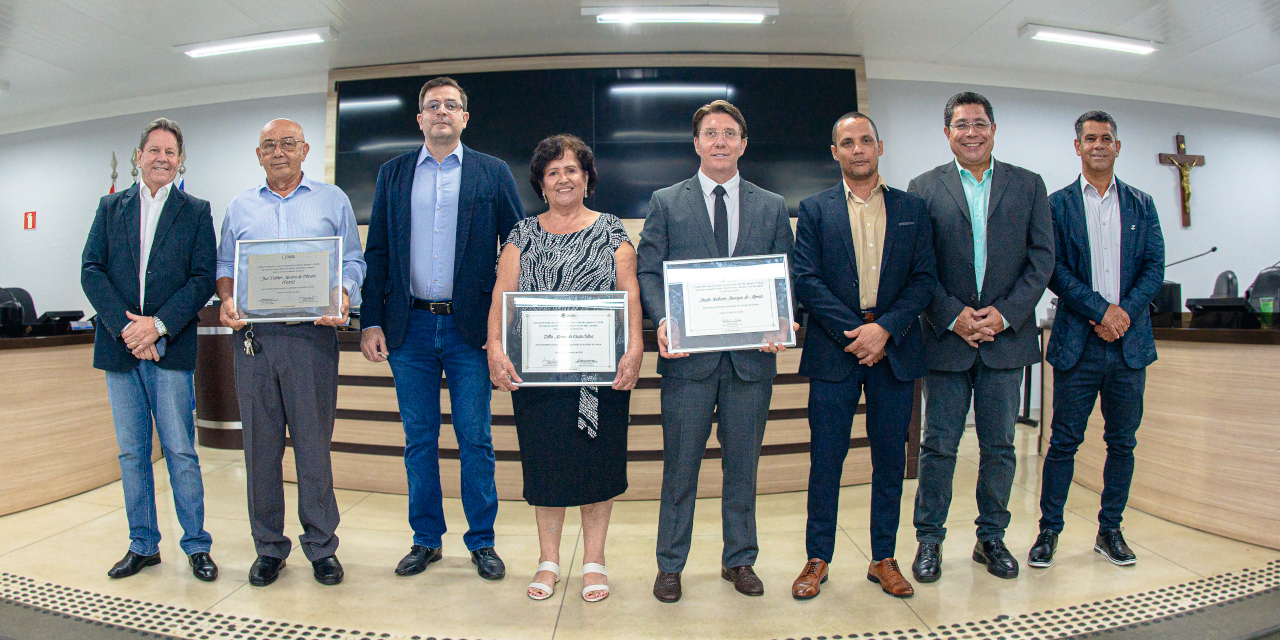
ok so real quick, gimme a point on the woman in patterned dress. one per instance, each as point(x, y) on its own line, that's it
point(573, 440)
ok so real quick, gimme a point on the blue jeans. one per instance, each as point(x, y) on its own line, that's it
point(136, 397)
point(433, 345)
point(996, 397)
point(1101, 369)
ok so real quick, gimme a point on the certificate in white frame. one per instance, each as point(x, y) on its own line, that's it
point(288, 279)
point(565, 338)
point(727, 304)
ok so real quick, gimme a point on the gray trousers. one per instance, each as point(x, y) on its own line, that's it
point(293, 382)
point(687, 410)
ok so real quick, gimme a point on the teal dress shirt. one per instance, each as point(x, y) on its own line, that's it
point(977, 195)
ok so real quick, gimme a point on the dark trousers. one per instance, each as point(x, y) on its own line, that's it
point(742, 408)
point(1075, 391)
point(996, 397)
point(291, 383)
point(832, 406)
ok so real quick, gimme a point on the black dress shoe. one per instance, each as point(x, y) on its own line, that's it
point(265, 570)
point(202, 566)
point(488, 564)
point(417, 560)
point(1109, 543)
point(928, 564)
point(327, 570)
point(1041, 554)
point(132, 563)
point(996, 556)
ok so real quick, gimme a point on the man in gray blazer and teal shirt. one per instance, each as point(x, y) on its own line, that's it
point(1109, 267)
point(993, 239)
point(148, 269)
point(715, 214)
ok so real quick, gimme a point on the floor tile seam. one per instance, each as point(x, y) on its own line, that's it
point(209, 609)
point(58, 533)
point(356, 503)
point(564, 595)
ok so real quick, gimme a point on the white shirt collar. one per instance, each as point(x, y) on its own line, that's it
point(161, 194)
point(423, 154)
point(1086, 186)
point(730, 185)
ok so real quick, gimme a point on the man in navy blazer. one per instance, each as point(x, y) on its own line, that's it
point(148, 269)
point(864, 269)
point(1109, 267)
point(439, 215)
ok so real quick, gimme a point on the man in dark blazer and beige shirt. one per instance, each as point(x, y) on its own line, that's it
point(993, 240)
point(703, 217)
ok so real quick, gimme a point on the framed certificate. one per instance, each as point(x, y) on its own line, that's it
point(723, 304)
point(565, 338)
point(288, 280)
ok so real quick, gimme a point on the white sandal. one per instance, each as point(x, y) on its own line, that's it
point(591, 567)
point(548, 589)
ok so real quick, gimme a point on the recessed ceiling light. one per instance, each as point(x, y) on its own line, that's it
point(1088, 39)
point(371, 104)
point(670, 89)
point(673, 14)
point(255, 42)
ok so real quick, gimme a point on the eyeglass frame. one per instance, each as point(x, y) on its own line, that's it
point(284, 143)
point(981, 126)
point(729, 135)
point(445, 105)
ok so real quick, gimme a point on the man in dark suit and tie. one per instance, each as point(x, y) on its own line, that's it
point(993, 240)
point(1109, 267)
point(439, 214)
point(149, 265)
point(715, 214)
point(864, 270)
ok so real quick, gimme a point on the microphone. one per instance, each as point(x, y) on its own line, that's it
point(1199, 255)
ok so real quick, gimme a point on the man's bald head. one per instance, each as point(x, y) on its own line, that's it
point(281, 150)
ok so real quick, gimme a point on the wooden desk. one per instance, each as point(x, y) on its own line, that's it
point(58, 439)
point(1207, 447)
point(368, 438)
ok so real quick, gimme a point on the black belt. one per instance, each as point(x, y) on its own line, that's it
point(439, 308)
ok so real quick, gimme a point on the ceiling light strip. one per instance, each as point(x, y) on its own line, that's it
point(255, 42)
point(1088, 39)
point(675, 15)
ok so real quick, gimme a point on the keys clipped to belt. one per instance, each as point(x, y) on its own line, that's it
point(251, 347)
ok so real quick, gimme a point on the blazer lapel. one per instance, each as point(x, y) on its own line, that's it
point(891, 229)
point(1078, 226)
point(951, 178)
point(1128, 232)
point(1000, 176)
point(466, 205)
point(696, 204)
point(400, 213)
point(838, 210)
point(168, 215)
point(746, 214)
point(131, 212)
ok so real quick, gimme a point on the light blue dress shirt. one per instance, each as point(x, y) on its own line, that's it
point(978, 196)
point(433, 230)
point(314, 209)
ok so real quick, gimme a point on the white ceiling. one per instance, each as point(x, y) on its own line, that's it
point(67, 60)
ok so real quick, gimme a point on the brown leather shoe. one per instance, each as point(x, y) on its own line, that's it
point(744, 579)
point(666, 588)
point(813, 575)
point(887, 574)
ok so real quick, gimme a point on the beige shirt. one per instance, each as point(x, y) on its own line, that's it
point(867, 220)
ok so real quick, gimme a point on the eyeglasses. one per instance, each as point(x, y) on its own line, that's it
point(729, 135)
point(289, 145)
point(449, 105)
point(978, 127)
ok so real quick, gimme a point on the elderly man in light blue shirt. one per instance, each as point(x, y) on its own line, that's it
point(287, 372)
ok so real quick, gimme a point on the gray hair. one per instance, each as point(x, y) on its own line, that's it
point(164, 124)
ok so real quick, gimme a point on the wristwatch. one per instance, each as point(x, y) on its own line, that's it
point(160, 328)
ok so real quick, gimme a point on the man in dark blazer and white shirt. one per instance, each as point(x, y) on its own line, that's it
point(993, 240)
point(864, 270)
point(1109, 267)
point(439, 215)
point(703, 217)
point(149, 267)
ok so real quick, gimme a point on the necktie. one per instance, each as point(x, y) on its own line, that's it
point(721, 222)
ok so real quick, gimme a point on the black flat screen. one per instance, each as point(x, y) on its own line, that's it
point(637, 120)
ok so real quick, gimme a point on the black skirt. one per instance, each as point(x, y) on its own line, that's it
point(563, 467)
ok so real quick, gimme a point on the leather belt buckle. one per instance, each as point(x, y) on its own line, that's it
point(440, 308)
point(868, 317)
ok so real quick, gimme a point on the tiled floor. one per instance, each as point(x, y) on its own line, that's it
point(74, 542)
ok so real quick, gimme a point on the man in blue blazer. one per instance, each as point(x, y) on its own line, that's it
point(148, 269)
point(439, 215)
point(1109, 267)
point(864, 269)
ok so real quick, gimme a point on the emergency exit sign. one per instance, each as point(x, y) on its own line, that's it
point(29, 220)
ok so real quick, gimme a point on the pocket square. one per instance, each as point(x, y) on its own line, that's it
point(903, 224)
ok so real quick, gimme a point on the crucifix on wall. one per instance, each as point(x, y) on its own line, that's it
point(1184, 163)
